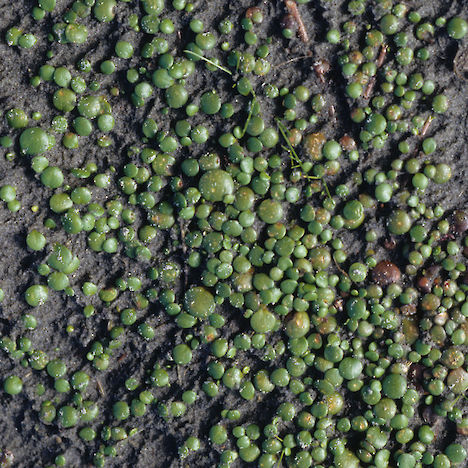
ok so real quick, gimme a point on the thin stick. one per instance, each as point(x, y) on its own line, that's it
point(369, 88)
point(380, 61)
point(292, 8)
point(340, 269)
point(182, 237)
point(382, 55)
point(100, 388)
point(426, 125)
point(295, 59)
point(225, 70)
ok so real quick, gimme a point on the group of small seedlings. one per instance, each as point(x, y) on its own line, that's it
point(320, 302)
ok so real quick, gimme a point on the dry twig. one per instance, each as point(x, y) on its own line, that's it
point(294, 59)
point(425, 127)
point(292, 8)
point(369, 88)
point(100, 387)
point(380, 61)
point(382, 55)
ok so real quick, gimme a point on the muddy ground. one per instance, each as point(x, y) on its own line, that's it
point(35, 444)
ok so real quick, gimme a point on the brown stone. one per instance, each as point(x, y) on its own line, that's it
point(348, 143)
point(385, 273)
point(460, 221)
point(424, 284)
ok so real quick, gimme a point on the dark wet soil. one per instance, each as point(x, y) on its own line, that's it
point(35, 444)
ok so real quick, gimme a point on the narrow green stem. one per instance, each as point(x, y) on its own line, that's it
point(225, 70)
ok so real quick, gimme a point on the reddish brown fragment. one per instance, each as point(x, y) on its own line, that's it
point(448, 236)
point(292, 8)
point(313, 145)
point(390, 243)
point(385, 273)
point(408, 309)
point(339, 304)
point(382, 55)
point(424, 284)
point(356, 57)
point(369, 88)
point(348, 143)
point(321, 67)
point(415, 375)
point(251, 11)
